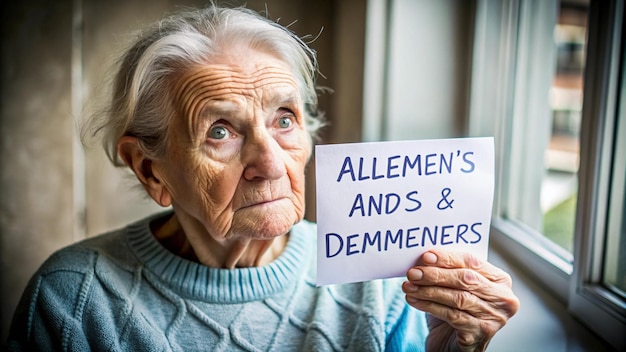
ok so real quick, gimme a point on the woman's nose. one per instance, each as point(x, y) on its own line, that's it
point(262, 157)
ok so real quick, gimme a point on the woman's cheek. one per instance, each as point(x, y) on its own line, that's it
point(223, 151)
point(298, 186)
point(297, 144)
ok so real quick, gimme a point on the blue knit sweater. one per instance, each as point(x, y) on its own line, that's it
point(123, 291)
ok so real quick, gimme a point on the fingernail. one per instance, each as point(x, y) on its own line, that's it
point(415, 274)
point(411, 288)
point(411, 299)
point(429, 258)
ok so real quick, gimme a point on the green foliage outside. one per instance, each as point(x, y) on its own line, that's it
point(558, 223)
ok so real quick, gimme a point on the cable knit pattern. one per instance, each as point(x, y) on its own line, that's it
point(123, 291)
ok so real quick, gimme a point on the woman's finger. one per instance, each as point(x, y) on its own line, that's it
point(457, 299)
point(499, 295)
point(456, 260)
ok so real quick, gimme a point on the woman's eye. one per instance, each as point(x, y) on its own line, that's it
point(285, 122)
point(218, 132)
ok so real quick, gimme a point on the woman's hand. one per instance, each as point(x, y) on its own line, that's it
point(468, 300)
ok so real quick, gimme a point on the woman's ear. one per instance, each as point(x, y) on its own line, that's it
point(143, 167)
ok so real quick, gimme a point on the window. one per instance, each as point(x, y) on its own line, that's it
point(558, 116)
point(545, 77)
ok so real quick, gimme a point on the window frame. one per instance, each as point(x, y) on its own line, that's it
point(589, 300)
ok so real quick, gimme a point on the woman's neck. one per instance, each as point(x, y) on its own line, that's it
point(202, 248)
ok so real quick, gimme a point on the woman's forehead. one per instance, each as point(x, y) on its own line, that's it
point(258, 76)
point(268, 96)
point(218, 80)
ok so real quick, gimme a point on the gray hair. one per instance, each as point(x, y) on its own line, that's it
point(142, 103)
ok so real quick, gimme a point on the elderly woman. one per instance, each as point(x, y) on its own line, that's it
point(214, 111)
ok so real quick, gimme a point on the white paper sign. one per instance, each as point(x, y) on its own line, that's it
point(381, 205)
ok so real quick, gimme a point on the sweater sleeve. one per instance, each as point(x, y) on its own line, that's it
point(406, 327)
point(49, 315)
point(409, 333)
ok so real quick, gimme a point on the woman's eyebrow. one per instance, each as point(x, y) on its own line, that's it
point(224, 107)
point(290, 101)
point(282, 98)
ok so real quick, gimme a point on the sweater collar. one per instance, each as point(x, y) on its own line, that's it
point(200, 282)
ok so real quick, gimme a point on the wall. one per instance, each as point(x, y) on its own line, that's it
point(428, 69)
point(36, 140)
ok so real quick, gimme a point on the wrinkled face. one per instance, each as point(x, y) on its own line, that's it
point(236, 156)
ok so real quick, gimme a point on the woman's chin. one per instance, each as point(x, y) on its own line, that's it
point(265, 222)
point(266, 227)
